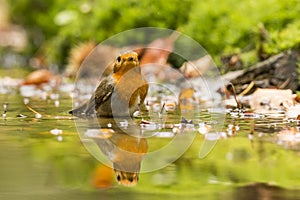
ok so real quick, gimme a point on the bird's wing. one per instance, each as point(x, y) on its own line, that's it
point(144, 91)
point(102, 94)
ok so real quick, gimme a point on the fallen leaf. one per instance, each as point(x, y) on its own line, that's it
point(264, 100)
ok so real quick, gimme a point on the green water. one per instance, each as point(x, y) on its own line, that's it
point(36, 164)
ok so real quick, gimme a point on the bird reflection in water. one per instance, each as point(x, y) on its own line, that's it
point(121, 145)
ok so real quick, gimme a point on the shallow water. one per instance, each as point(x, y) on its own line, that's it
point(51, 157)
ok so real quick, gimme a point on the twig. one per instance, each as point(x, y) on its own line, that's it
point(37, 114)
point(238, 104)
point(162, 108)
point(251, 134)
point(284, 84)
point(250, 86)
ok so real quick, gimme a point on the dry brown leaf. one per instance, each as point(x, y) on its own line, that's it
point(198, 67)
point(264, 100)
point(38, 77)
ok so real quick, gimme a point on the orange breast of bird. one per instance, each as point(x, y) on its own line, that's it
point(130, 87)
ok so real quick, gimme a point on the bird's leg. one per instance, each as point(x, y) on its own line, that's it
point(144, 112)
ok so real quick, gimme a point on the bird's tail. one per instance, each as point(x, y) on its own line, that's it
point(78, 111)
point(85, 110)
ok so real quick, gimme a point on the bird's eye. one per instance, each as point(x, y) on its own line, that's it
point(118, 177)
point(119, 58)
point(130, 179)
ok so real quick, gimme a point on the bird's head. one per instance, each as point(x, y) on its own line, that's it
point(126, 62)
point(127, 178)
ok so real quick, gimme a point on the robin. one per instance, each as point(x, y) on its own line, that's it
point(121, 93)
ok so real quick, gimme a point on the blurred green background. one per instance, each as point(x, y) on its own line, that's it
point(221, 27)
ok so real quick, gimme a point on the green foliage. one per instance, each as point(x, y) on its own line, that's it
point(286, 38)
point(231, 26)
point(62, 24)
point(221, 27)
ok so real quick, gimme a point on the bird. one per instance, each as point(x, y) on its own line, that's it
point(121, 93)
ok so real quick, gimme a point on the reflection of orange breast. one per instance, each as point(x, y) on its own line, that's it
point(133, 144)
point(125, 152)
point(128, 148)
